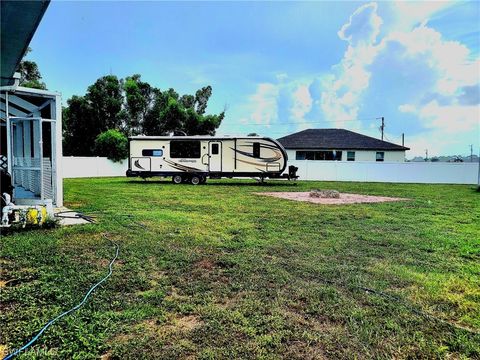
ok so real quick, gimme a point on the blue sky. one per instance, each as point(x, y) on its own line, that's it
point(279, 67)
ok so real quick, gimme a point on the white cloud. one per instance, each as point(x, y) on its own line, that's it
point(411, 13)
point(342, 91)
point(449, 59)
point(279, 102)
point(263, 104)
point(450, 119)
point(437, 141)
point(281, 77)
point(302, 103)
point(448, 63)
point(363, 26)
point(407, 108)
point(434, 81)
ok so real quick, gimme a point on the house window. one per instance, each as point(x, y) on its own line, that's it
point(152, 152)
point(185, 149)
point(350, 155)
point(318, 155)
point(214, 149)
point(305, 155)
point(256, 150)
point(380, 156)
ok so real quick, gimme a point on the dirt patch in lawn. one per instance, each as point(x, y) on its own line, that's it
point(205, 264)
point(174, 325)
point(343, 199)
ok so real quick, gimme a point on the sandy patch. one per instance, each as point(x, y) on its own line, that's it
point(175, 325)
point(188, 323)
point(343, 199)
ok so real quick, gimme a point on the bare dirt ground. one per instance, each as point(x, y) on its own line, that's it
point(344, 198)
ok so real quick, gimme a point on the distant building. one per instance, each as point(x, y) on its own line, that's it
point(340, 145)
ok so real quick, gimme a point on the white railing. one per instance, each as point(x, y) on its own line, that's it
point(398, 172)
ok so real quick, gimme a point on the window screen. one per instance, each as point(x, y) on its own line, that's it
point(185, 149)
point(215, 149)
point(380, 156)
point(152, 152)
point(256, 150)
point(350, 155)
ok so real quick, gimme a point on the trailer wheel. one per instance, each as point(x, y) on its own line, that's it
point(177, 179)
point(195, 180)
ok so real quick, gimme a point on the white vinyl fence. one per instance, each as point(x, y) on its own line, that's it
point(395, 172)
point(78, 167)
point(399, 172)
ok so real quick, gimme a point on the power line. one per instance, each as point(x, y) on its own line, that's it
point(299, 123)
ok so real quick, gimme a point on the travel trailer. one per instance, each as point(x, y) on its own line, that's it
point(193, 159)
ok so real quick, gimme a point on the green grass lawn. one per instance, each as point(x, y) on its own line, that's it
point(219, 272)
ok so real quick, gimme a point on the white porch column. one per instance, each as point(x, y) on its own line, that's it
point(57, 151)
point(9, 137)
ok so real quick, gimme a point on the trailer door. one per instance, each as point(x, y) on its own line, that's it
point(215, 156)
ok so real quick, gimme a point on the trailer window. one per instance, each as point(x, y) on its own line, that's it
point(350, 155)
point(256, 150)
point(380, 156)
point(152, 152)
point(185, 149)
point(214, 149)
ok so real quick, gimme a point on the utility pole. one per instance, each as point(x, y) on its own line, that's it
point(426, 154)
point(403, 139)
point(471, 152)
point(382, 127)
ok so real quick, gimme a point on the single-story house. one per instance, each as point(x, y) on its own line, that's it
point(340, 145)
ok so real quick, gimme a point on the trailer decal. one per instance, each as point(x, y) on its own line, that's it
point(137, 164)
point(277, 156)
point(262, 145)
point(182, 167)
point(251, 163)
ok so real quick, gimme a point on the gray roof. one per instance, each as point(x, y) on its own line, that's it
point(20, 19)
point(338, 139)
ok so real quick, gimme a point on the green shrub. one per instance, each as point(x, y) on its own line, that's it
point(113, 144)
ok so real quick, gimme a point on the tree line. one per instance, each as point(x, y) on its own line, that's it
point(130, 107)
point(99, 122)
